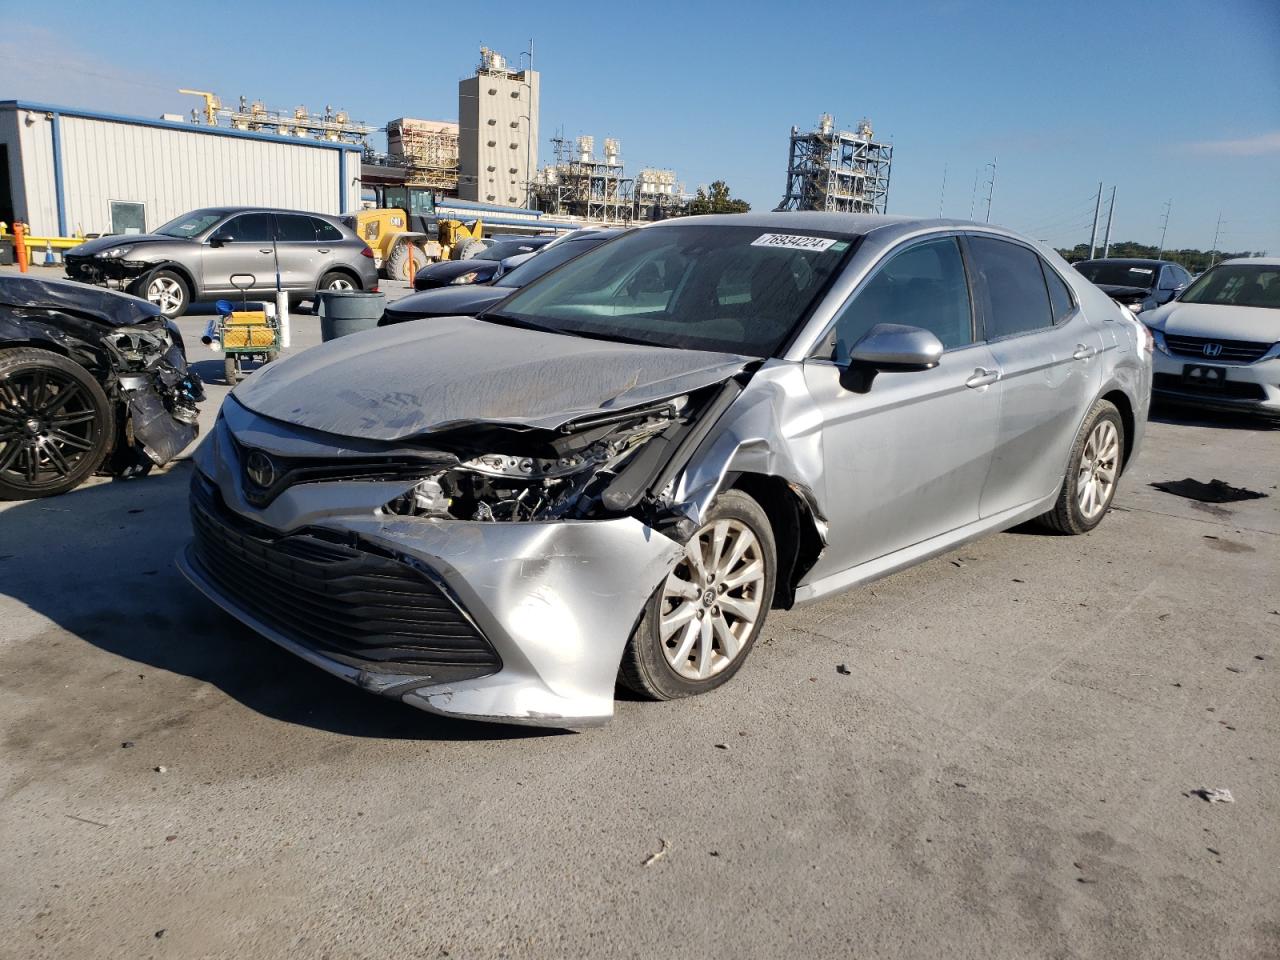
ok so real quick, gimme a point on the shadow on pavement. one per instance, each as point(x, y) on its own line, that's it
point(1190, 416)
point(98, 563)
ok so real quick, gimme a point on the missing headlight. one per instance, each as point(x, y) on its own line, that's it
point(514, 487)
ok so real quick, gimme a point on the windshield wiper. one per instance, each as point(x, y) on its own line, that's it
point(511, 320)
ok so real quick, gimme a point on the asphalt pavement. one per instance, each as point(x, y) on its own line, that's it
point(992, 755)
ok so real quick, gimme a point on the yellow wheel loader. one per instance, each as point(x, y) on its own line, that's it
point(405, 233)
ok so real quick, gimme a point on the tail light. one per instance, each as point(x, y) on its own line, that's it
point(367, 252)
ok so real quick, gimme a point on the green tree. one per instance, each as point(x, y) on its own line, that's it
point(716, 199)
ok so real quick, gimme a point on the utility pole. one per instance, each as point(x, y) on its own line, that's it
point(1093, 236)
point(942, 198)
point(1111, 209)
point(991, 187)
point(1213, 254)
point(973, 197)
point(1168, 208)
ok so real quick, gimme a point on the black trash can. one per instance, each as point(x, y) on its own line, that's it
point(343, 312)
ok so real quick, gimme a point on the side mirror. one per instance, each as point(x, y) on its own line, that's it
point(219, 238)
point(894, 347)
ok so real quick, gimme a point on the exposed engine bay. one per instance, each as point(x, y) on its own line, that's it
point(564, 475)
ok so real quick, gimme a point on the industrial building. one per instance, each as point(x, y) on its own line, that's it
point(580, 185)
point(829, 169)
point(428, 150)
point(497, 132)
point(66, 171)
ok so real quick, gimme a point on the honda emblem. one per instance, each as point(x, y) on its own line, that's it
point(1212, 349)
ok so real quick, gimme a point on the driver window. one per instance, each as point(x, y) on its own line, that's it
point(923, 286)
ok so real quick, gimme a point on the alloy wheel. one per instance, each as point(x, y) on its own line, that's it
point(166, 293)
point(48, 425)
point(340, 284)
point(1099, 463)
point(712, 600)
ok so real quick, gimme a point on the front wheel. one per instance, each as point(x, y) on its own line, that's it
point(56, 424)
point(167, 290)
point(700, 624)
point(1093, 470)
point(231, 369)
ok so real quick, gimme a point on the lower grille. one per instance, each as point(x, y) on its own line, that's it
point(1232, 351)
point(1228, 389)
point(349, 603)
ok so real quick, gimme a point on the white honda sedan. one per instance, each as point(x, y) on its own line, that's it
point(1218, 345)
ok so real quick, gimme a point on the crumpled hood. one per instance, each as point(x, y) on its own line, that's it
point(415, 378)
point(107, 306)
point(98, 244)
point(1256, 324)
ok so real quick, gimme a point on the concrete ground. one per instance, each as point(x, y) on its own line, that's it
point(1005, 772)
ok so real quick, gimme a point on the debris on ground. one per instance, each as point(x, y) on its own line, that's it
point(160, 933)
point(843, 670)
point(1215, 491)
point(160, 769)
point(1214, 794)
point(653, 858)
point(1235, 670)
point(126, 744)
point(92, 823)
point(722, 746)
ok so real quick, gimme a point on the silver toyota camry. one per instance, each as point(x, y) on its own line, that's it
point(615, 473)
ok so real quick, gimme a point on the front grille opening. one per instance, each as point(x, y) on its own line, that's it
point(354, 605)
point(1232, 351)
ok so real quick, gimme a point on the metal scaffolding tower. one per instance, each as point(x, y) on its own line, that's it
point(428, 149)
point(579, 185)
point(830, 169)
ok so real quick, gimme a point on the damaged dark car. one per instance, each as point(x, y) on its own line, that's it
point(614, 473)
point(91, 381)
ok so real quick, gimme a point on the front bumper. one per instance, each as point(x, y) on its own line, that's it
point(1248, 387)
point(99, 270)
point(555, 602)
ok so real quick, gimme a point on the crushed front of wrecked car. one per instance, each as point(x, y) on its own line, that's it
point(124, 344)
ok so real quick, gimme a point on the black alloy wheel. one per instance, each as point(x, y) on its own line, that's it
point(56, 424)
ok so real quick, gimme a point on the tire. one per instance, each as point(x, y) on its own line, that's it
point(397, 262)
point(271, 357)
point(56, 424)
point(468, 248)
point(337, 280)
point(231, 369)
point(695, 656)
point(1097, 456)
point(167, 290)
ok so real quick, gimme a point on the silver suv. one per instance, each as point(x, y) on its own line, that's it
point(195, 256)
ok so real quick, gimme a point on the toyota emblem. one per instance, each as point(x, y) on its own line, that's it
point(260, 470)
point(1212, 349)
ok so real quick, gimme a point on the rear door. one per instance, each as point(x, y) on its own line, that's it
point(905, 460)
point(299, 251)
point(1049, 357)
point(242, 245)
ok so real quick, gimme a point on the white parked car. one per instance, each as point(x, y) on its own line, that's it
point(1218, 345)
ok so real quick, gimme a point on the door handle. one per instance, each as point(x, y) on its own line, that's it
point(323, 250)
point(982, 377)
point(1083, 352)
point(261, 250)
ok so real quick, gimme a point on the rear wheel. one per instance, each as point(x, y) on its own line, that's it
point(56, 424)
point(397, 263)
point(336, 281)
point(1093, 471)
point(231, 369)
point(700, 624)
point(468, 248)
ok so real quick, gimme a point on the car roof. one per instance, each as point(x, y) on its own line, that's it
point(1257, 261)
point(1142, 261)
point(225, 211)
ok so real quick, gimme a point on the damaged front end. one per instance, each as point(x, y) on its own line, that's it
point(124, 343)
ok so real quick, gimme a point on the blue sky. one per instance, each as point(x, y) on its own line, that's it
point(1169, 100)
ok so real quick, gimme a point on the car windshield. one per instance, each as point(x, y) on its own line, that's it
point(501, 250)
point(735, 289)
point(1237, 285)
point(548, 259)
point(1116, 274)
point(190, 224)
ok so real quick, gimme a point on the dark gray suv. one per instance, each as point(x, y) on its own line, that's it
point(195, 257)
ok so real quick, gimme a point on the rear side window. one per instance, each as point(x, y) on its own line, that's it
point(1015, 299)
point(295, 229)
point(923, 286)
point(326, 231)
point(1060, 299)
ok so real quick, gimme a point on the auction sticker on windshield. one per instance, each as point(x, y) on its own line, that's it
point(790, 241)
